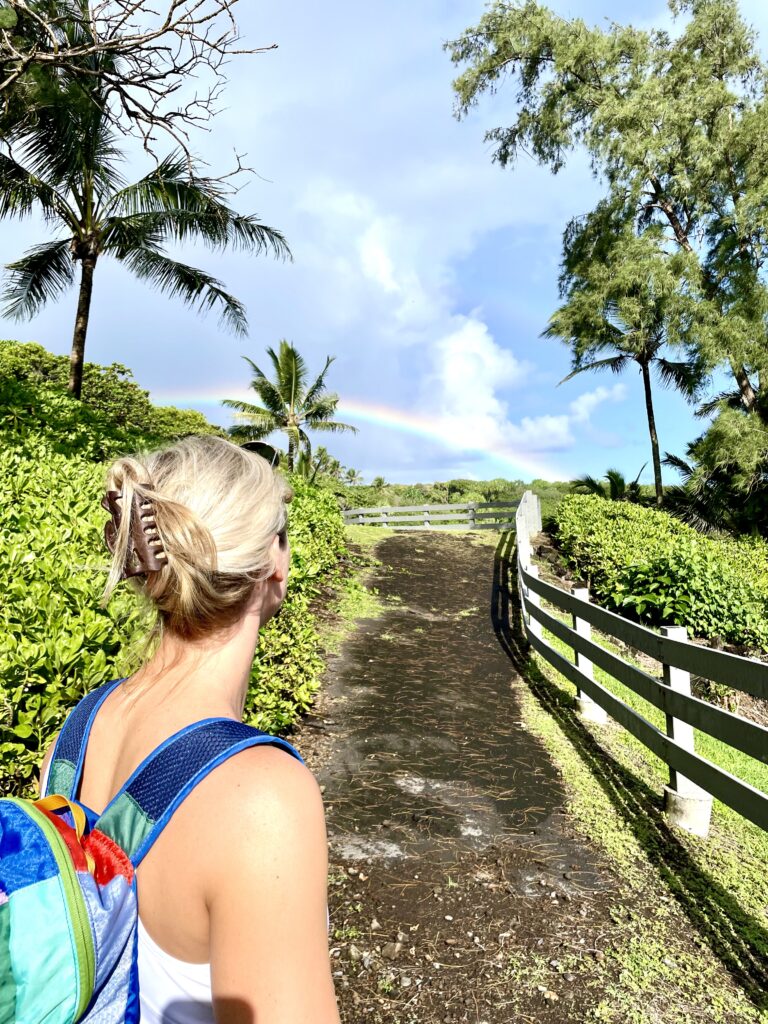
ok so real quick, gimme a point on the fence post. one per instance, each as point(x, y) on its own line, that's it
point(426, 517)
point(536, 514)
point(360, 519)
point(534, 599)
point(385, 514)
point(589, 710)
point(521, 529)
point(687, 805)
point(472, 511)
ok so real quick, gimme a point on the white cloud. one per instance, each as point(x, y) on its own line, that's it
point(581, 408)
point(466, 390)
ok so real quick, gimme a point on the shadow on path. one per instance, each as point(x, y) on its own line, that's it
point(738, 939)
point(457, 890)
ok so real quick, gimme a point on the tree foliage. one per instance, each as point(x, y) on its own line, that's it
point(615, 486)
point(116, 413)
point(137, 54)
point(675, 125)
point(65, 164)
point(289, 404)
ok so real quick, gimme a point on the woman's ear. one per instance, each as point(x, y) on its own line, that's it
point(277, 550)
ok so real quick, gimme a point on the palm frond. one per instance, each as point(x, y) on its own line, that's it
point(587, 484)
point(266, 390)
point(294, 444)
point(683, 376)
point(121, 235)
point(676, 462)
point(323, 408)
point(617, 485)
point(194, 287)
point(241, 432)
point(730, 399)
point(21, 192)
point(306, 445)
point(291, 373)
point(332, 427)
point(41, 274)
point(254, 413)
point(184, 207)
point(636, 481)
point(614, 363)
point(70, 133)
point(316, 390)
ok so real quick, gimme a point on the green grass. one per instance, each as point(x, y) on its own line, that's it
point(745, 873)
point(367, 536)
point(713, 891)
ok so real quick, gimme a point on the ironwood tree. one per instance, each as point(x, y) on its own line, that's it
point(676, 128)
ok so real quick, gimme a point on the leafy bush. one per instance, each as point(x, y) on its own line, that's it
point(647, 564)
point(288, 665)
point(56, 642)
point(114, 414)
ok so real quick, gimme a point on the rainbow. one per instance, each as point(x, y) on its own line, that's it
point(502, 459)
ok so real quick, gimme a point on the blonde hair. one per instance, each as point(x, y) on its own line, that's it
point(217, 509)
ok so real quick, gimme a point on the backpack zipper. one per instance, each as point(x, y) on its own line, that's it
point(86, 956)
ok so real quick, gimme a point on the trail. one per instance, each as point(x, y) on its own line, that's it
point(457, 891)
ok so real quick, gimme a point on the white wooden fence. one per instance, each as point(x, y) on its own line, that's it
point(473, 515)
point(693, 780)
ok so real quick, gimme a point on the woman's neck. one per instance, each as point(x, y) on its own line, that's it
point(207, 678)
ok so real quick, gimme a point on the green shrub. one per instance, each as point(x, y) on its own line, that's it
point(645, 563)
point(115, 414)
point(56, 643)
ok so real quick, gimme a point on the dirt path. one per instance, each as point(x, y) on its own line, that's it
point(457, 892)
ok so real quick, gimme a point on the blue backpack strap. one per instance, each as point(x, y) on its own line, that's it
point(143, 807)
point(66, 765)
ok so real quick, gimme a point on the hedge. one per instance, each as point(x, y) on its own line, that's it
point(646, 564)
point(56, 643)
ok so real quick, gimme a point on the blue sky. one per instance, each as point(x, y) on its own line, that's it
point(428, 272)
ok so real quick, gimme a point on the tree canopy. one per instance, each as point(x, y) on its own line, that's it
point(65, 162)
point(676, 129)
point(289, 403)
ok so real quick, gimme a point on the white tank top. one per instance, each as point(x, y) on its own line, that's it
point(172, 991)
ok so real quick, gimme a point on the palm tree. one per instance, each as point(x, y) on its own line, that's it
point(617, 488)
point(353, 476)
point(635, 331)
point(288, 404)
point(64, 162)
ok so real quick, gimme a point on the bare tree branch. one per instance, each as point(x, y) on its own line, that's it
point(161, 65)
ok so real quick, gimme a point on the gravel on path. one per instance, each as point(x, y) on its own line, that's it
point(457, 890)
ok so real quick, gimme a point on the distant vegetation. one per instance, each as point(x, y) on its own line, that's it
point(452, 492)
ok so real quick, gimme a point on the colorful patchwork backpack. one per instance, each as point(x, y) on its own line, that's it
point(68, 910)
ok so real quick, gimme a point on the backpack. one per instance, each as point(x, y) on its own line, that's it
point(68, 905)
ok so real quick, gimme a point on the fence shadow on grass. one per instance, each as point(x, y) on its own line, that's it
point(737, 938)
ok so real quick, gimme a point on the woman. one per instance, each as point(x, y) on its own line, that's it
point(232, 896)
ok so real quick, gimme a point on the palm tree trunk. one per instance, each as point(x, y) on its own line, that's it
point(77, 356)
point(652, 431)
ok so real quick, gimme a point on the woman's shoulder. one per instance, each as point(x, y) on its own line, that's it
point(264, 823)
point(262, 795)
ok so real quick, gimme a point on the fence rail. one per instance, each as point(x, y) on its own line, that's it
point(694, 780)
point(480, 515)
